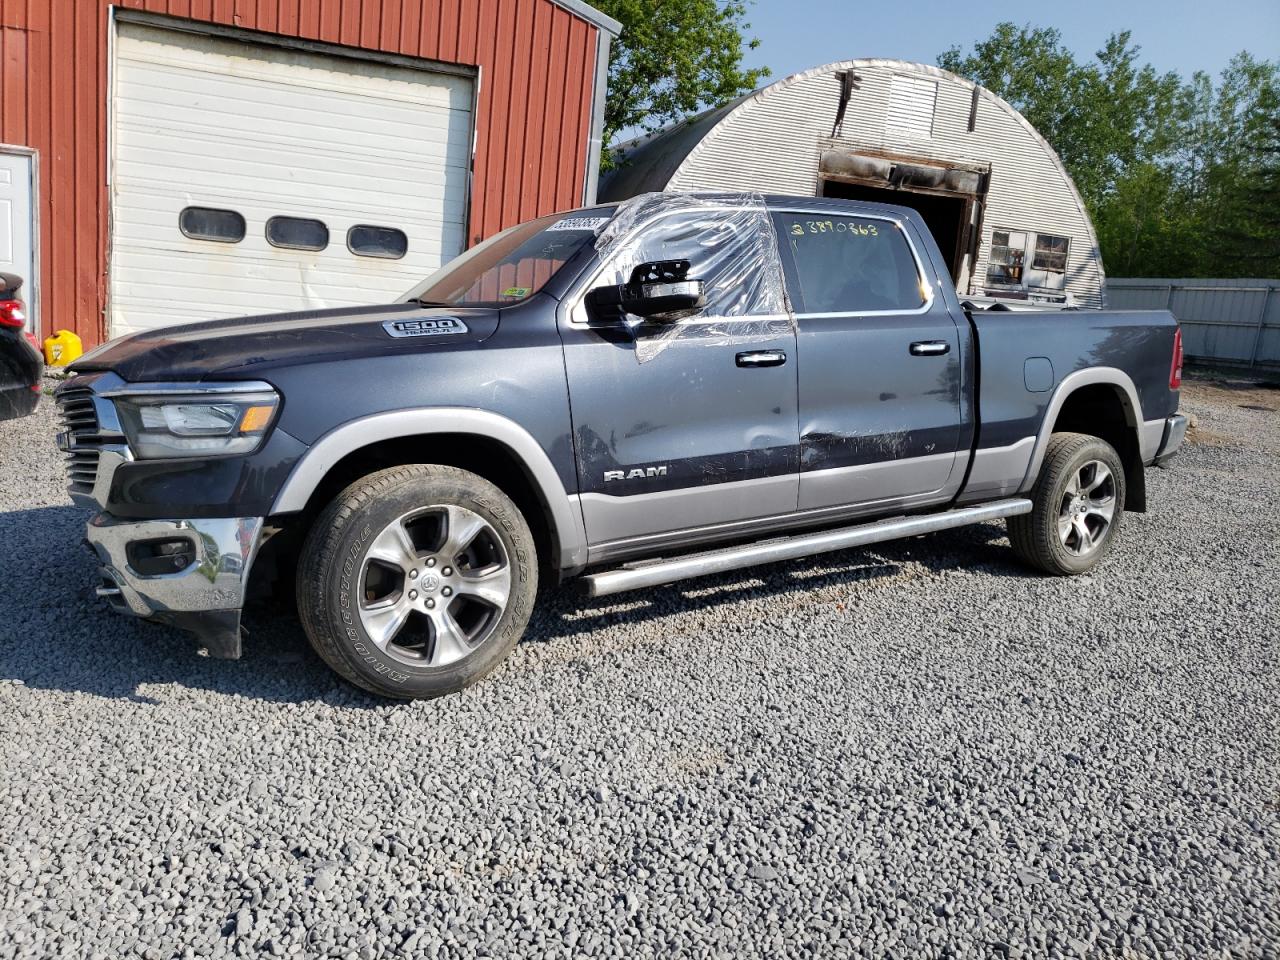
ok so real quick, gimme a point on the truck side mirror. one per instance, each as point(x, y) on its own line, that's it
point(659, 290)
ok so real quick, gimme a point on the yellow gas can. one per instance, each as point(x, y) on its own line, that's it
point(63, 347)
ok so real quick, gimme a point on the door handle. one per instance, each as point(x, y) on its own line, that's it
point(930, 348)
point(761, 358)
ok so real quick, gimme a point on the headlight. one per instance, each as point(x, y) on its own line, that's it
point(196, 424)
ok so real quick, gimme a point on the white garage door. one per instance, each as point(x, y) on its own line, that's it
point(253, 179)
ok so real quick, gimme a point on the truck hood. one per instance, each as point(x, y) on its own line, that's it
point(252, 346)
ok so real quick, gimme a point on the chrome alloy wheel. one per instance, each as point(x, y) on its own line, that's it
point(1088, 506)
point(433, 585)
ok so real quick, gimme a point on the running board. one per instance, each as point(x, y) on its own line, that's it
point(654, 573)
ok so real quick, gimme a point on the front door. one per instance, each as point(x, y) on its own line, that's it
point(880, 390)
point(17, 239)
point(689, 425)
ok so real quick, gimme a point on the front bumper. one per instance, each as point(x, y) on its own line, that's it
point(1175, 431)
point(205, 597)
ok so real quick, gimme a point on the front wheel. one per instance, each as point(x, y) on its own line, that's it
point(1079, 500)
point(417, 581)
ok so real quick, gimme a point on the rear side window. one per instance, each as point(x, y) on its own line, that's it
point(386, 242)
point(297, 233)
point(850, 264)
point(208, 223)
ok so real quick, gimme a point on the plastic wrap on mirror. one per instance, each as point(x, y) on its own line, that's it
point(731, 246)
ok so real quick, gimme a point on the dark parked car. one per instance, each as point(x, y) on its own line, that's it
point(627, 396)
point(21, 363)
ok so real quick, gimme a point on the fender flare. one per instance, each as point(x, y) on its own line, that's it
point(1107, 376)
point(564, 519)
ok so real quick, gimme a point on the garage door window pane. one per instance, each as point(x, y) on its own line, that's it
point(295, 233)
point(206, 223)
point(386, 242)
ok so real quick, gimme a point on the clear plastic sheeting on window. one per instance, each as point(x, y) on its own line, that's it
point(731, 247)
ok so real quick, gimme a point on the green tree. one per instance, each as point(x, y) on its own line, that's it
point(673, 59)
point(1246, 236)
point(1101, 117)
point(1176, 174)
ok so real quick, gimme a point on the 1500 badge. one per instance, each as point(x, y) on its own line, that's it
point(435, 327)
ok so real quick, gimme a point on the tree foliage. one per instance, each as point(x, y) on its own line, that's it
point(1179, 175)
point(673, 59)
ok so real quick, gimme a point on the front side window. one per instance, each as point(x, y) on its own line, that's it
point(729, 249)
point(208, 223)
point(514, 264)
point(851, 264)
point(297, 233)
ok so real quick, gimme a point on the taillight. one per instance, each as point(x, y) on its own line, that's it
point(1175, 371)
point(12, 314)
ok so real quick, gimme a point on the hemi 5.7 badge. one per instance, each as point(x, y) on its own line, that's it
point(435, 327)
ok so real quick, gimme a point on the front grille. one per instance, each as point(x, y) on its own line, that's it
point(81, 439)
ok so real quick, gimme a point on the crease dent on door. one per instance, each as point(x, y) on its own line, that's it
point(880, 399)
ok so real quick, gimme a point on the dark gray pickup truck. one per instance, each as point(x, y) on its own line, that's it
point(626, 395)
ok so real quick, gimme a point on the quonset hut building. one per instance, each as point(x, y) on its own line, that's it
point(996, 197)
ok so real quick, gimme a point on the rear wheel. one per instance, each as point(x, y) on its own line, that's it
point(417, 581)
point(1079, 500)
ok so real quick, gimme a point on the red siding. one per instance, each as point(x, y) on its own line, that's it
point(537, 68)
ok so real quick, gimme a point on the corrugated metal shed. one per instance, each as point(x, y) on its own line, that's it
point(774, 139)
point(538, 62)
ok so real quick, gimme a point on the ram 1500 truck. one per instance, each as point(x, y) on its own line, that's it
point(624, 395)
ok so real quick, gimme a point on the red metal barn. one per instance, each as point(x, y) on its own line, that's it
point(163, 161)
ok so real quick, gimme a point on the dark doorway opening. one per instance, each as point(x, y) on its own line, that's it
point(946, 217)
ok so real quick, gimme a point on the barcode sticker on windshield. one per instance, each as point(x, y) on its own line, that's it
point(579, 223)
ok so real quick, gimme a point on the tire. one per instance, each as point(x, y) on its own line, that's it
point(440, 551)
point(1076, 514)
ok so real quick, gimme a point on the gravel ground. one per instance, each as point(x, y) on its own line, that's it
point(915, 750)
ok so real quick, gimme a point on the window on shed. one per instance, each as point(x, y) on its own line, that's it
point(386, 242)
point(297, 233)
point(1051, 253)
point(1008, 251)
point(850, 264)
point(207, 223)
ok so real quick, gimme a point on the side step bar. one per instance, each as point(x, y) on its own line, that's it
point(654, 573)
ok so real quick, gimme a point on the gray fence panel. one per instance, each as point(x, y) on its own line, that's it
point(1223, 320)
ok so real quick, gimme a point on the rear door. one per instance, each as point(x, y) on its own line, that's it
point(880, 365)
point(693, 425)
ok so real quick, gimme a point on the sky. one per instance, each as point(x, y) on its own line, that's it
point(1176, 35)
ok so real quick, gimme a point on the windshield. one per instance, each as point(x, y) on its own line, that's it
point(514, 264)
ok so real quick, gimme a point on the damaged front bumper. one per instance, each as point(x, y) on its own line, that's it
point(189, 574)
